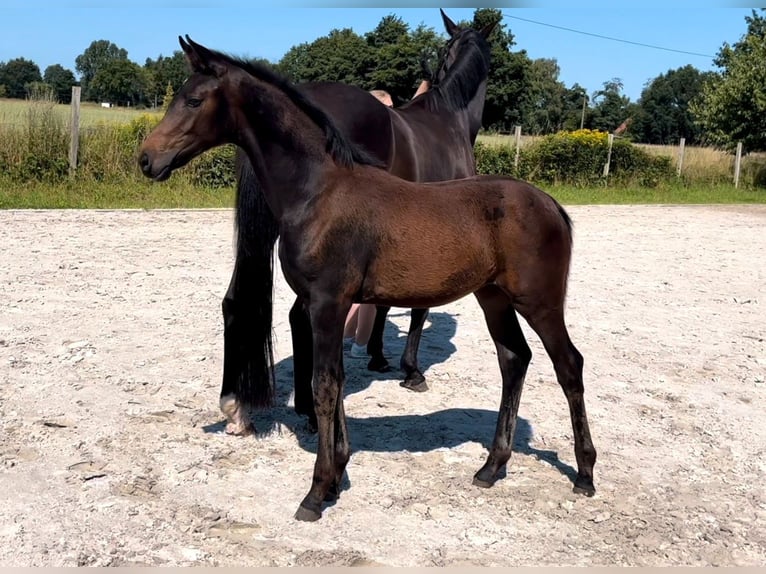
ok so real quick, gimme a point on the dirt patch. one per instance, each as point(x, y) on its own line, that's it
point(112, 450)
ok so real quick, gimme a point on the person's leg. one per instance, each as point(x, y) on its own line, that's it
point(352, 319)
point(364, 322)
point(365, 318)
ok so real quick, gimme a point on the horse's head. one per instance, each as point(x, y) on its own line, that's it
point(197, 119)
point(460, 40)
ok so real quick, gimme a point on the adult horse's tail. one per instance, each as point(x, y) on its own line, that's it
point(248, 362)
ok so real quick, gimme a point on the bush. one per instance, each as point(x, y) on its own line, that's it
point(575, 158)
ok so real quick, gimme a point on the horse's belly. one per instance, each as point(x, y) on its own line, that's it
point(421, 282)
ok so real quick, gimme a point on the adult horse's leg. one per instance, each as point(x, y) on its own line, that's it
point(327, 318)
point(514, 355)
point(568, 364)
point(248, 357)
point(300, 329)
point(414, 379)
point(375, 344)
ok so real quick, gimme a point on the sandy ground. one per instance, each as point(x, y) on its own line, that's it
point(111, 442)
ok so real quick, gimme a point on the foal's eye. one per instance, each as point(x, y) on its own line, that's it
point(193, 102)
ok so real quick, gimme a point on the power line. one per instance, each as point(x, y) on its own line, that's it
point(609, 37)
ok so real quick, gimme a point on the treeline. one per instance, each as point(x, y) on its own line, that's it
point(720, 108)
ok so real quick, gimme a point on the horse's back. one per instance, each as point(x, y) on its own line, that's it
point(359, 115)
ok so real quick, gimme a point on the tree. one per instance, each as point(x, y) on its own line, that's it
point(542, 106)
point(662, 112)
point(575, 98)
point(17, 74)
point(99, 54)
point(341, 56)
point(61, 81)
point(610, 108)
point(119, 81)
point(731, 107)
point(163, 72)
point(400, 56)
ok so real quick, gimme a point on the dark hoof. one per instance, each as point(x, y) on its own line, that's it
point(312, 425)
point(307, 515)
point(482, 483)
point(418, 387)
point(485, 478)
point(379, 364)
point(584, 486)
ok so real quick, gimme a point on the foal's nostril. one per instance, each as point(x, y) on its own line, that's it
point(145, 163)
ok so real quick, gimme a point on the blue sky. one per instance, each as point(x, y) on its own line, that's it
point(56, 32)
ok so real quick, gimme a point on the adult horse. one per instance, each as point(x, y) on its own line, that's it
point(394, 243)
point(430, 138)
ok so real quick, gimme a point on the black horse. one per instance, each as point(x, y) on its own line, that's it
point(430, 138)
point(352, 232)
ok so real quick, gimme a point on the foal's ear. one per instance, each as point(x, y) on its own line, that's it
point(201, 59)
point(449, 25)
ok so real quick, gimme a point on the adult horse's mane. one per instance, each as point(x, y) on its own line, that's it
point(460, 83)
point(343, 151)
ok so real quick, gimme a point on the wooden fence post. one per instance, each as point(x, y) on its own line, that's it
point(610, 139)
point(681, 147)
point(737, 164)
point(74, 134)
point(518, 147)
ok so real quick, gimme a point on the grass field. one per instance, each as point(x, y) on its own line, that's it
point(14, 113)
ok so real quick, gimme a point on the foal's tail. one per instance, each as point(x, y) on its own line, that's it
point(247, 307)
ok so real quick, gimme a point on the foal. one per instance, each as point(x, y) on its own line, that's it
point(352, 232)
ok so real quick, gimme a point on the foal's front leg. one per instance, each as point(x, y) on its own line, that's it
point(327, 319)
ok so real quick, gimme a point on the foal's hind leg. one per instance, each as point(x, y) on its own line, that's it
point(413, 378)
point(514, 355)
point(568, 363)
point(303, 358)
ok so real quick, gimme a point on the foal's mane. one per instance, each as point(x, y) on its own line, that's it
point(462, 80)
point(343, 151)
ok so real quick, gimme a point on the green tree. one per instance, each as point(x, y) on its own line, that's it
point(542, 105)
point(399, 56)
point(575, 98)
point(98, 55)
point(119, 81)
point(17, 74)
point(165, 70)
point(61, 81)
point(341, 56)
point(731, 107)
point(610, 108)
point(662, 112)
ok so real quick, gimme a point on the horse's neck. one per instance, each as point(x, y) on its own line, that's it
point(287, 157)
point(475, 110)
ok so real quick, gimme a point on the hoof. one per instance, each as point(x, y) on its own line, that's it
point(414, 384)
point(378, 364)
point(307, 515)
point(484, 478)
point(239, 429)
point(482, 483)
point(584, 486)
point(312, 425)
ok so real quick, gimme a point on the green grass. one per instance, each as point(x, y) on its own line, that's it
point(177, 193)
point(676, 194)
point(13, 113)
point(143, 194)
